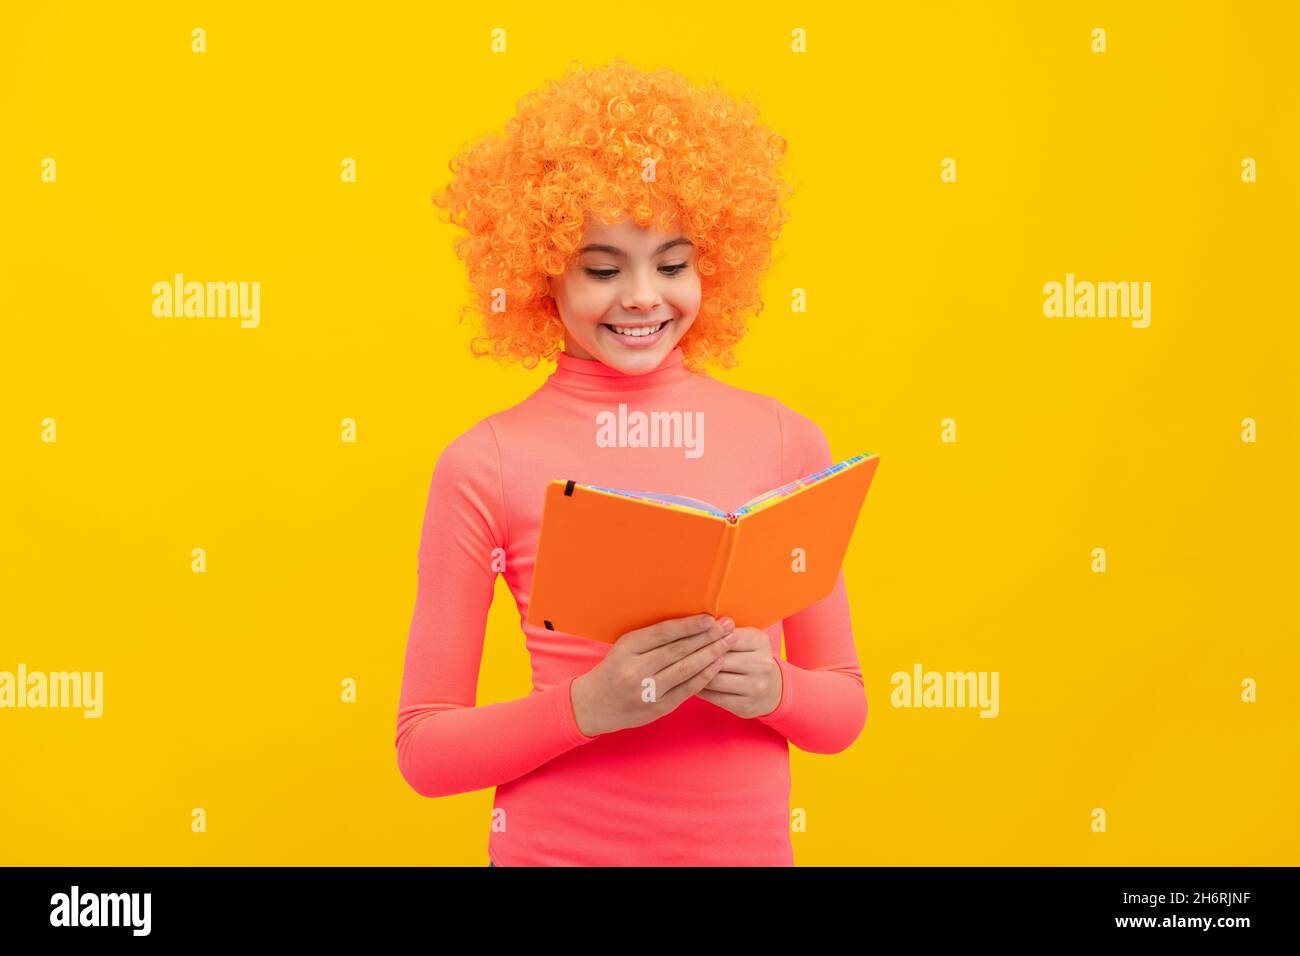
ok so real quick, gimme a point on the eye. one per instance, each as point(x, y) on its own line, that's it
point(672, 270)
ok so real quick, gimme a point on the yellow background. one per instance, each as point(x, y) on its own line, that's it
point(222, 690)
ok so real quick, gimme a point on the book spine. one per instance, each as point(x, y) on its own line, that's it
point(718, 576)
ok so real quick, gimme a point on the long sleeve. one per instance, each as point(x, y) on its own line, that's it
point(823, 705)
point(446, 744)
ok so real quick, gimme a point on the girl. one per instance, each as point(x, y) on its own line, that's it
point(630, 216)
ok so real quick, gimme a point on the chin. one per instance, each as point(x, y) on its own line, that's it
point(636, 361)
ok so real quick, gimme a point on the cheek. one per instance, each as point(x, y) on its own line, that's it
point(686, 300)
point(589, 304)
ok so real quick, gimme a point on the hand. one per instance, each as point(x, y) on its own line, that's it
point(649, 671)
point(749, 684)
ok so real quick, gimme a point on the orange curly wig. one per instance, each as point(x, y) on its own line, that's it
point(579, 146)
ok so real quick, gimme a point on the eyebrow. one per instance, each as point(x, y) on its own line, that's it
point(616, 251)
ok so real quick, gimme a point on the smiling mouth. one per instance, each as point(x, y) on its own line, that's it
point(634, 331)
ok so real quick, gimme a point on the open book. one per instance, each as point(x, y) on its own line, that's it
point(610, 560)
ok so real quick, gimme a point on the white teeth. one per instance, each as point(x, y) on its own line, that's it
point(638, 333)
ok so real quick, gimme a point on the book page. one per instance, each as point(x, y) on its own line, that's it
point(795, 485)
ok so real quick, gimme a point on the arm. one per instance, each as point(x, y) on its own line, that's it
point(445, 744)
point(823, 704)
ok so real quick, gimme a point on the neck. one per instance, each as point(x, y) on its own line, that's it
point(592, 375)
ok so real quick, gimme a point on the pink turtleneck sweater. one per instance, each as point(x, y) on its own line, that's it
point(697, 787)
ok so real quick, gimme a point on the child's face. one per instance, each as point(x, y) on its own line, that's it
point(642, 278)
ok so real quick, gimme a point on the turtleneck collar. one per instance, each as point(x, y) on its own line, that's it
point(593, 375)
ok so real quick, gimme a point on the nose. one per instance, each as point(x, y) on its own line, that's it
point(641, 295)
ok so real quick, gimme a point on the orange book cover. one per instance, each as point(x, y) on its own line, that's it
point(610, 560)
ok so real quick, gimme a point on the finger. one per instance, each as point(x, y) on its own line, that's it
point(745, 662)
point(658, 658)
point(664, 632)
point(731, 702)
point(725, 683)
point(692, 686)
point(752, 638)
point(688, 667)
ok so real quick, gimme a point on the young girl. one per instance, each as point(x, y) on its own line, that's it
point(629, 216)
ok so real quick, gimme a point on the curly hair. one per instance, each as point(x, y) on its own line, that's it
point(579, 145)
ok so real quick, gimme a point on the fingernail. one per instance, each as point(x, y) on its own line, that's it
point(728, 625)
point(730, 639)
